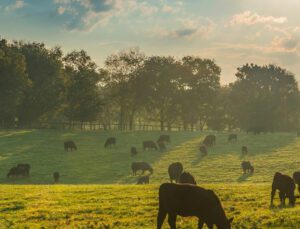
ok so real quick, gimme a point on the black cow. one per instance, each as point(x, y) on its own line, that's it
point(70, 145)
point(143, 180)
point(247, 167)
point(24, 168)
point(149, 145)
point(144, 166)
point(133, 151)
point(203, 150)
point(244, 150)
point(232, 137)
point(164, 138)
point(175, 170)
point(286, 186)
point(161, 145)
point(191, 200)
point(187, 178)
point(209, 140)
point(296, 176)
point(110, 142)
point(56, 177)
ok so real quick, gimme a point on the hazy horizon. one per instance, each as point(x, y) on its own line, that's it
point(244, 31)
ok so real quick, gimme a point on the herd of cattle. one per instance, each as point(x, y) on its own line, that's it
point(184, 197)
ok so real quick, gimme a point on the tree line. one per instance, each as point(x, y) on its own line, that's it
point(40, 84)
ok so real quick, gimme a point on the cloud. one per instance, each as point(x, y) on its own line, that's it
point(18, 4)
point(249, 18)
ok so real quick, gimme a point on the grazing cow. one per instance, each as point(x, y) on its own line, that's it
point(110, 142)
point(161, 145)
point(247, 167)
point(296, 177)
point(18, 171)
point(190, 200)
point(203, 150)
point(164, 138)
point(143, 180)
point(232, 137)
point(24, 168)
point(70, 145)
point(209, 140)
point(13, 172)
point(244, 150)
point(136, 166)
point(286, 186)
point(133, 151)
point(149, 145)
point(175, 170)
point(56, 177)
point(187, 178)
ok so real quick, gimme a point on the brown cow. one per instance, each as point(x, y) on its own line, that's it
point(190, 200)
point(175, 170)
point(187, 178)
point(286, 186)
point(149, 145)
point(70, 145)
point(247, 167)
point(110, 142)
point(144, 166)
point(296, 176)
point(209, 140)
point(143, 180)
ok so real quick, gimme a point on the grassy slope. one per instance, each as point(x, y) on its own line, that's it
point(128, 206)
point(134, 206)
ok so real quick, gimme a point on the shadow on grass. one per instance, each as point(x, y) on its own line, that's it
point(244, 177)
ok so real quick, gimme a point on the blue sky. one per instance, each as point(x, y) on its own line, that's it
point(232, 32)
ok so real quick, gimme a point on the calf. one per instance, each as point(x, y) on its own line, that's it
point(110, 142)
point(56, 177)
point(143, 166)
point(143, 180)
point(187, 178)
point(175, 170)
point(203, 150)
point(296, 177)
point(286, 186)
point(149, 145)
point(247, 167)
point(70, 145)
point(209, 140)
point(232, 137)
point(190, 200)
point(133, 151)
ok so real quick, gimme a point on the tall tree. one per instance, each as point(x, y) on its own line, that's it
point(44, 68)
point(122, 69)
point(264, 98)
point(84, 101)
point(13, 83)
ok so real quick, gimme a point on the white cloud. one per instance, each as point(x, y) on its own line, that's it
point(249, 18)
point(18, 4)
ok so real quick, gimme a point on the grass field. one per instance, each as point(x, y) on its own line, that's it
point(97, 190)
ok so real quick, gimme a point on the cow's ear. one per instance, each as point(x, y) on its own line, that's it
point(230, 220)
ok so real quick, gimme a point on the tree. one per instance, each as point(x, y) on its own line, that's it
point(122, 69)
point(201, 87)
point(13, 83)
point(264, 98)
point(83, 99)
point(43, 100)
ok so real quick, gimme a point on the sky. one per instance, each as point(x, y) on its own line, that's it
point(232, 32)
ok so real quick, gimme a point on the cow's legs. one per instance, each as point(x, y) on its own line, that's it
point(210, 225)
point(160, 218)
point(172, 221)
point(200, 223)
point(282, 198)
point(272, 195)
